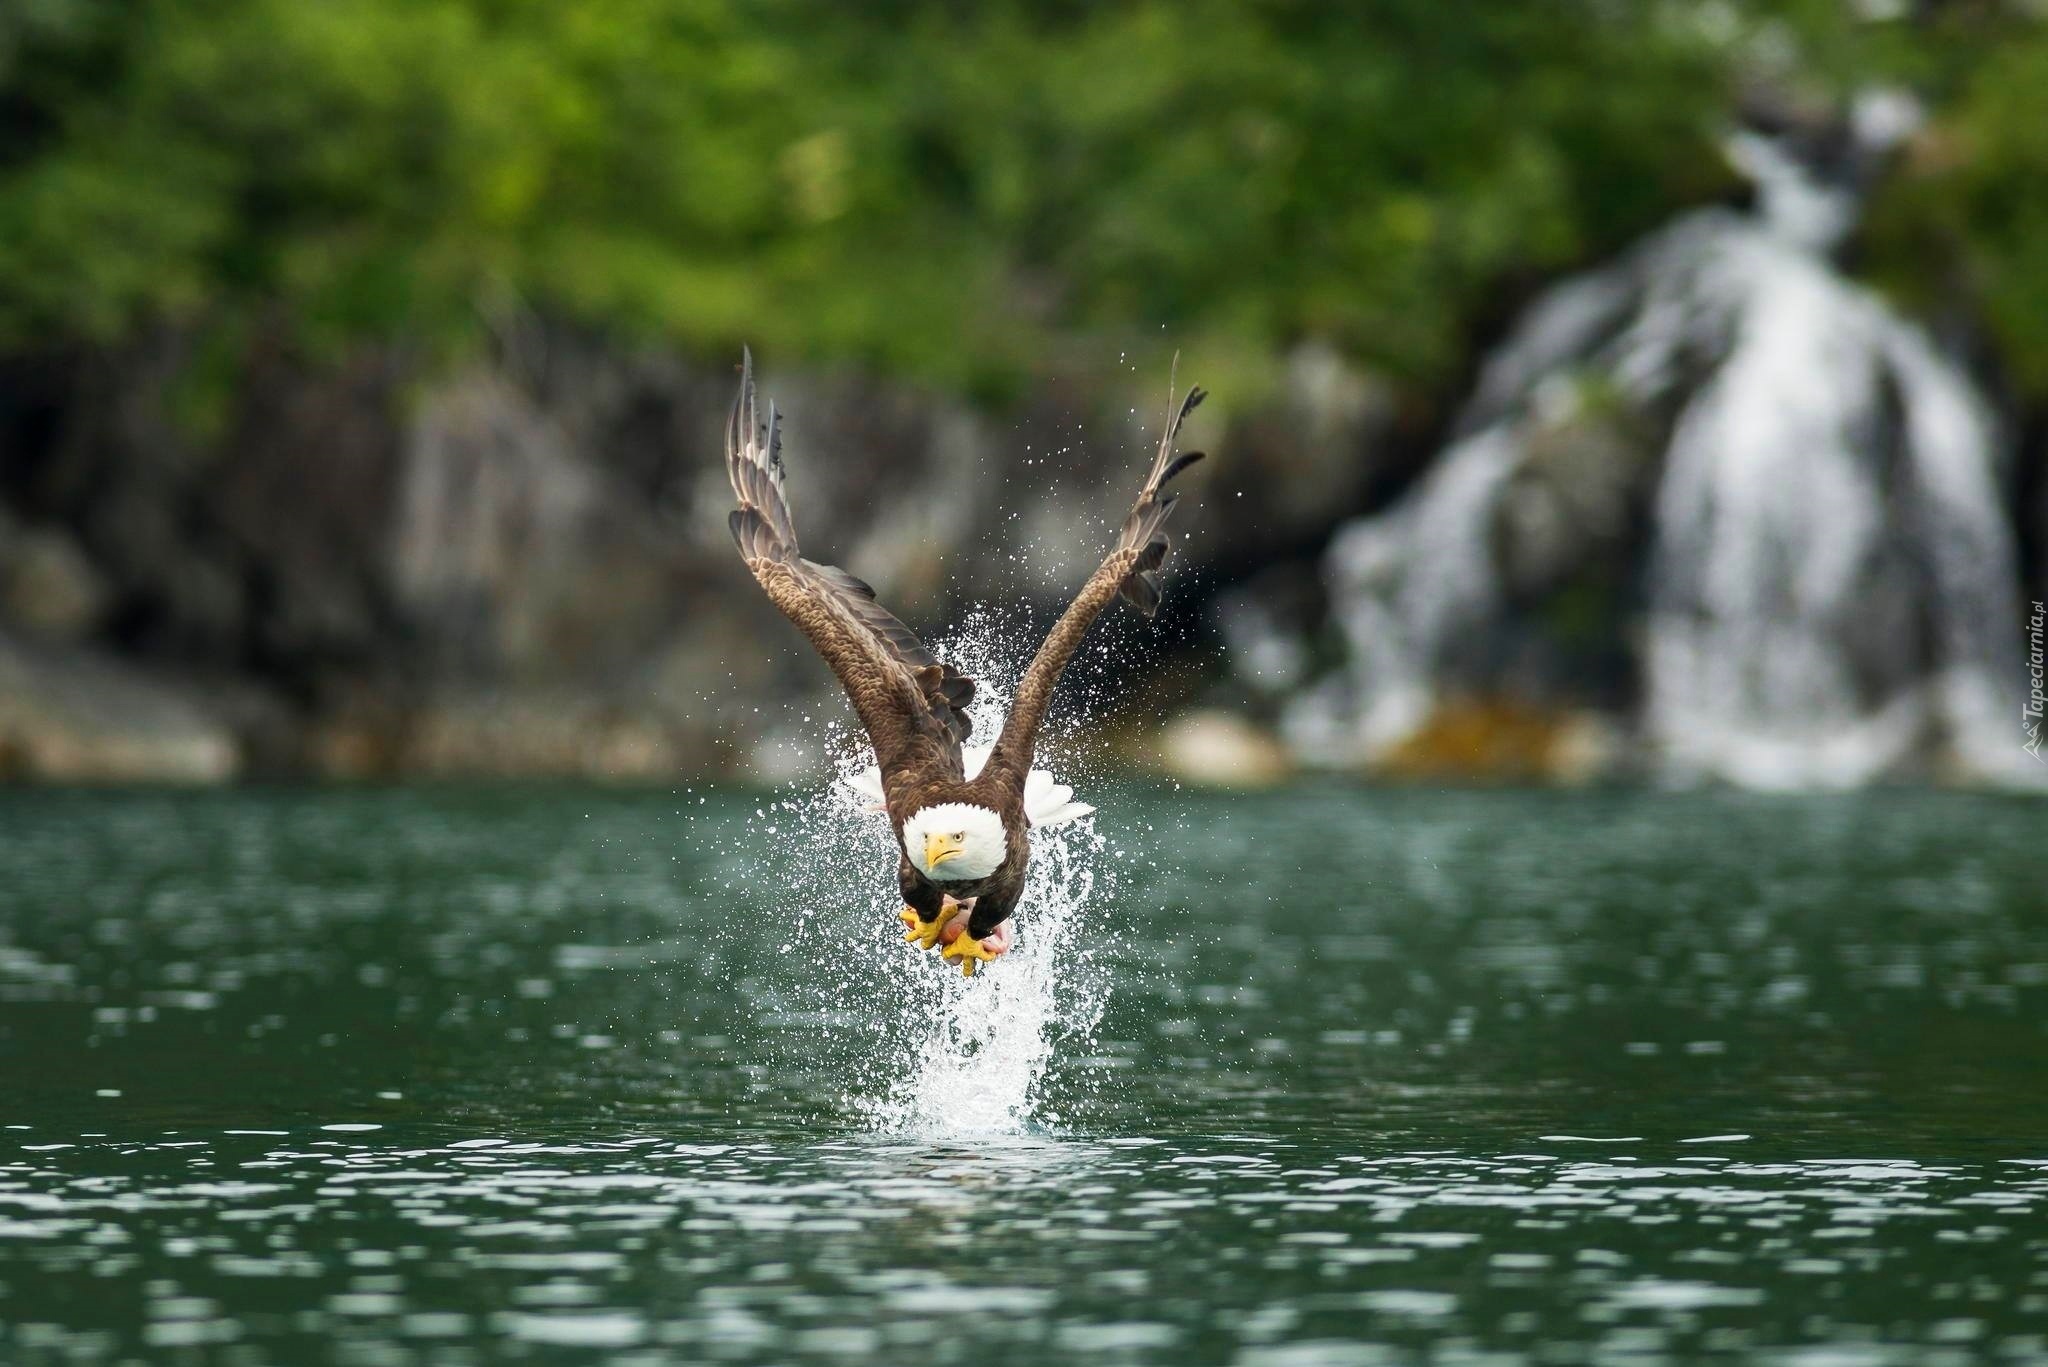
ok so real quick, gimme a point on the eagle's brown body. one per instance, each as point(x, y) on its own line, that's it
point(995, 896)
point(913, 707)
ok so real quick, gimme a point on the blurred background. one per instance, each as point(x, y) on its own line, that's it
point(1601, 390)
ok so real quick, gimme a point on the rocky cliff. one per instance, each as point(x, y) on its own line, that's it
point(521, 567)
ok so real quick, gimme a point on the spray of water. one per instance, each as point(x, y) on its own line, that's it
point(912, 1047)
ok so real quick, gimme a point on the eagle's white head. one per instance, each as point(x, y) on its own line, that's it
point(955, 842)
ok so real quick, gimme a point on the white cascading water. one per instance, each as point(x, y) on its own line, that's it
point(1831, 576)
point(923, 1051)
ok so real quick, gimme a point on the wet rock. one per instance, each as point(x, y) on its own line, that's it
point(1502, 739)
point(537, 736)
point(48, 586)
point(510, 560)
point(74, 716)
point(1218, 749)
point(1293, 465)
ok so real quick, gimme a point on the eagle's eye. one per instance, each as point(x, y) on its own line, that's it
point(959, 835)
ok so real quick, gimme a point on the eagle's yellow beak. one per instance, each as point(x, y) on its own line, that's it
point(939, 848)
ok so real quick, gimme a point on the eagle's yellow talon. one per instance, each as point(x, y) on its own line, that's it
point(917, 931)
point(928, 934)
point(968, 951)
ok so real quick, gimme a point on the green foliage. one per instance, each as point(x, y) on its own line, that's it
point(1972, 207)
point(938, 190)
point(954, 192)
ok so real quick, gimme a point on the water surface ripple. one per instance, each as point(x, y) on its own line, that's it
point(454, 1076)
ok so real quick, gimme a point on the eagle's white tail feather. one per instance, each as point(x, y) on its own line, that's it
point(1047, 802)
point(1061, 815)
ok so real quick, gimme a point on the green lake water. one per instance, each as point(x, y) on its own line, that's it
point(1315, 1078)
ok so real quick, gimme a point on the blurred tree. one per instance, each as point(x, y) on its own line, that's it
point(1974, 199)
point(941, 191)
point(938, 190)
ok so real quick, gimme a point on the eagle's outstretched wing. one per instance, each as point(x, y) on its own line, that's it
point(900, 691)
point(1131, 572)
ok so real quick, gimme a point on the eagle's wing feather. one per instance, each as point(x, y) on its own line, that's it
point(1131, 572)
point(899, 689)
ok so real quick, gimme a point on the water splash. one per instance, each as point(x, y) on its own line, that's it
point(920, 1049)
point(979, 1048)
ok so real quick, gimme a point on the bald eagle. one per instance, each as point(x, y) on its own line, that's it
point(961, 815)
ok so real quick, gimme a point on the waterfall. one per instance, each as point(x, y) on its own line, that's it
point(1801, 495)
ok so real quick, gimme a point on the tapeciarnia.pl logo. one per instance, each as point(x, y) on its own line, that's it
point(2037, 697)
